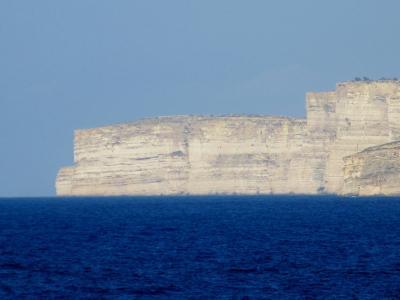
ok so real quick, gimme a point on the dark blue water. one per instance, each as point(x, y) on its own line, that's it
point(200, 248)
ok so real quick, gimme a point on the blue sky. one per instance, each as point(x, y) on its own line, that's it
point(80, 63)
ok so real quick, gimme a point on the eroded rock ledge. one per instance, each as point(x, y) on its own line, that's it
point(375, 170)
point(243, 154)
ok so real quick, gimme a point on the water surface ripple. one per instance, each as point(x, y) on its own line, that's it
point(200, 248)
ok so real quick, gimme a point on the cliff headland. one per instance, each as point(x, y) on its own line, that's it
point(349, 143)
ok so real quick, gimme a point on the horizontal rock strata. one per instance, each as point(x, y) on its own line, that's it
point(375, 170)
point(237, 154)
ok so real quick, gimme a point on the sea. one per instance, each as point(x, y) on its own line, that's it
point(210, 247)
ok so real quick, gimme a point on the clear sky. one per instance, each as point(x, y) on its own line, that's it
point(80, 63)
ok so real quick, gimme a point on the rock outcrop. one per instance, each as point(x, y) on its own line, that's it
point(375, 170)
point(237, 154)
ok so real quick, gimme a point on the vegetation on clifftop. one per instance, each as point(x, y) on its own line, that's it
point(364, 78)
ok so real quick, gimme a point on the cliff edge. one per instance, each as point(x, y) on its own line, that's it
point(239, 154)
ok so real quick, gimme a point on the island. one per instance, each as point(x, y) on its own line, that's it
point(348, 144)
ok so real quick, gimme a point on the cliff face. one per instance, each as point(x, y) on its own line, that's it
point(195, 155)
point(236, 154)
point(356, 116)
point(375, 170)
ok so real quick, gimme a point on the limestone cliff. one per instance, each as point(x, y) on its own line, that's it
point(236, 154)
point(375, 170)
point(356, 116)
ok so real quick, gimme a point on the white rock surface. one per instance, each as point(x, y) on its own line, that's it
point(236, 154)
point(373, 171)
